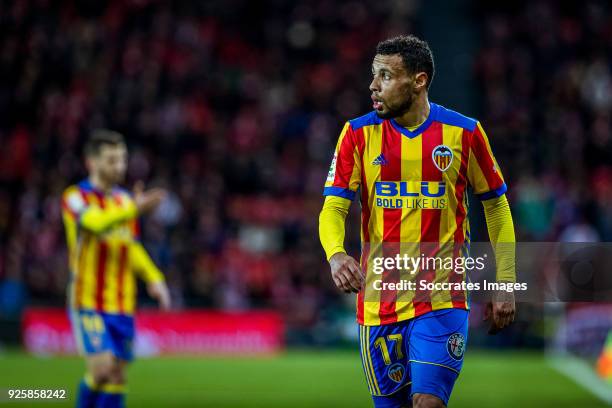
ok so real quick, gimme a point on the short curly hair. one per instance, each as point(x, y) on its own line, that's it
point(415, 53)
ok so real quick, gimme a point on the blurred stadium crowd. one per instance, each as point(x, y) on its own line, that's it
point(546, 99)
point(235, 108)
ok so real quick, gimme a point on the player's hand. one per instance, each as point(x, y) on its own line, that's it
point(159, 291)
point(346, 272)
point(500, 311)
point(147, 200)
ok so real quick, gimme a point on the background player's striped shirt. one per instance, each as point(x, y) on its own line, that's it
point(412, 186)
point(104, 252)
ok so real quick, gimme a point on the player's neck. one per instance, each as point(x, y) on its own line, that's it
point(99, 184)
point(418, 113)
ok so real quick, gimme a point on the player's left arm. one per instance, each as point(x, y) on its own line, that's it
point(145, 268)
point(501, 233)
point(488, 183)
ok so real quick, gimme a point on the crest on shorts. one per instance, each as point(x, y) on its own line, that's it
point(95, 340)
point(442, 157)
point(455, 345)
point(396, 372)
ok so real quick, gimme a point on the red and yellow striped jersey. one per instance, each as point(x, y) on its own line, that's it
point(412, 186)
point(104, 251)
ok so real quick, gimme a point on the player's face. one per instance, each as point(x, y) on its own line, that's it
point(110, 164)
point(392, 87)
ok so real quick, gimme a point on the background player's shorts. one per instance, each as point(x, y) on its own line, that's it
point(420, 355)
point(100, 332)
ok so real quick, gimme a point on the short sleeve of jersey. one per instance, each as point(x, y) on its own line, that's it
point(344, 176)
point(73, 203)
point(484, 174)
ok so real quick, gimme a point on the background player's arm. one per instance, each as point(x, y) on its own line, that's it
point(143, 265)
point(145, 268)
point(97, 220)
point(92, 217)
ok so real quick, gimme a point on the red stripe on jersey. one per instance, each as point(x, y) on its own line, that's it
point(365, 220)
point(84, 195)
point(458, 296)
point(121, 274)
point(345, 161)
point(365, 206)
point(430, 218)
point(100, 275)
point(391, 148)
point(100, 199)
point(136, 228)
point(485, 160)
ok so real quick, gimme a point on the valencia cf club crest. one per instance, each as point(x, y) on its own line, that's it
point(455, 345)
point(95, 340)
point(396, 372)
point(442, 157)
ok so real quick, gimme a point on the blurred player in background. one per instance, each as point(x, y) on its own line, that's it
point(412, 161)
point(105, 256)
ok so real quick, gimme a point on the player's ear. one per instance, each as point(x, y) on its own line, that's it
point(420, 81)
point(89, 163)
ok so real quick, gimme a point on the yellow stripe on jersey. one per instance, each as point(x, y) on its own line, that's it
point(86, 275)
point(451, 136)
point(111, 287)
point(410, 230)
point(129, 297)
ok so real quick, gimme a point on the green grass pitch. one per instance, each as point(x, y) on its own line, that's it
point(294, 379)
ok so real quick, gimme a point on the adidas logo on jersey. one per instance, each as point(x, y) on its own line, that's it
point(380, 160)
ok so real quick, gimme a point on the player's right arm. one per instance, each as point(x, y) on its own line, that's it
point(78, 210)
point(341, 186)
point(96, 219)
